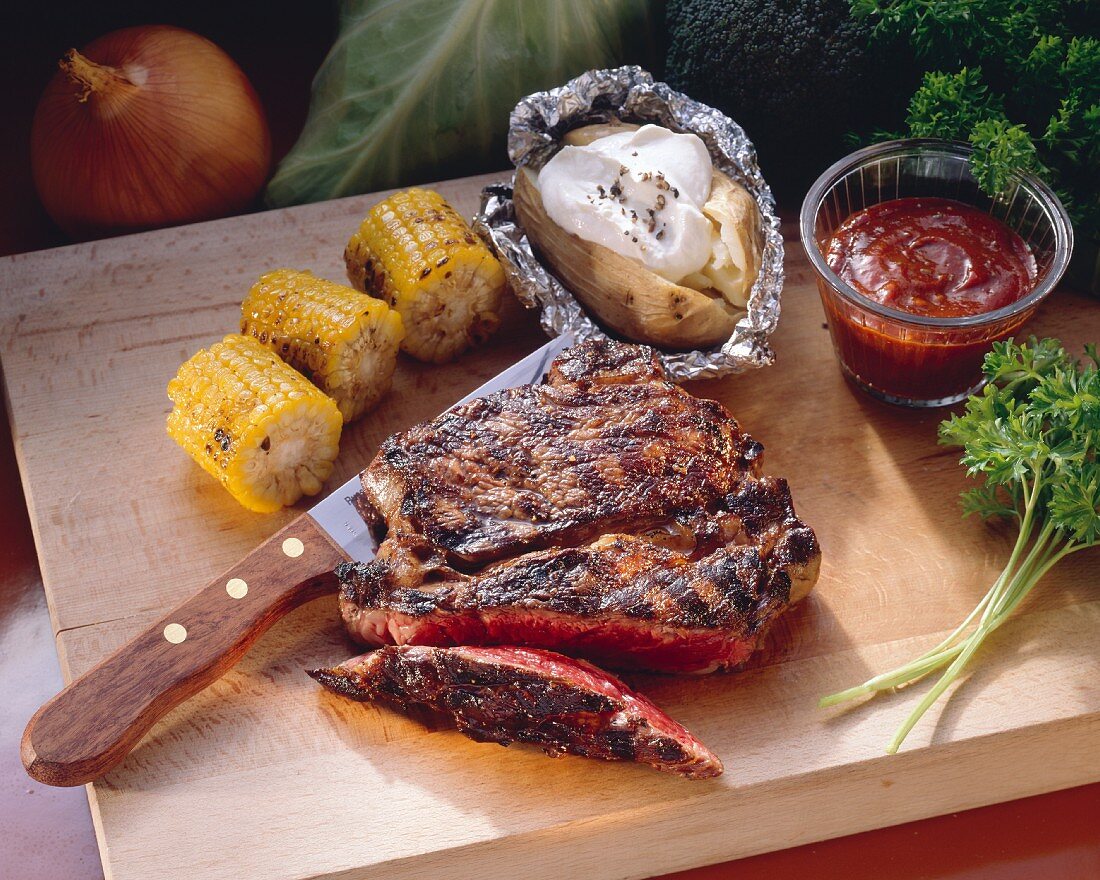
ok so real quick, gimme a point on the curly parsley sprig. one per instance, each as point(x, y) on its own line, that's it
point(1018, 79)
point(1033, 436)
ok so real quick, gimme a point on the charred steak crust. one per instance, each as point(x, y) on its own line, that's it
point(608, 514)
point(507, 695)
point(619, 575)
point(559, 463)
point(601, 361)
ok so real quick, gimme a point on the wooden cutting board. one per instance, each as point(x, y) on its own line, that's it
point(266, 775)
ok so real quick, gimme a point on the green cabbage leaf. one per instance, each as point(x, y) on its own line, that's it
point(420, 90)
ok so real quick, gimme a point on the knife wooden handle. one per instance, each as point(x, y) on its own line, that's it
point(93, 724)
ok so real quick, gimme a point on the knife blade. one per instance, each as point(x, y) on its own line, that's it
point(94, 723)
point(337, 514)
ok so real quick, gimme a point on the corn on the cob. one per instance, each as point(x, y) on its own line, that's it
point(253, 423)
point(417, 253)
point(344, 341)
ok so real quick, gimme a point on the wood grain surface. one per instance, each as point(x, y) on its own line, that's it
point(91, 726)
point(264, 774)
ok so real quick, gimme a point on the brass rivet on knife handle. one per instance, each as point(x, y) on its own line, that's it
point(175, 633)
point(236, 588)
point(93, 724)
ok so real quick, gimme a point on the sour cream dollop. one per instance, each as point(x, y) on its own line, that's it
point(639, 193)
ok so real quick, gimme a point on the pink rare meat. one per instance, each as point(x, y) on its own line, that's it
point(507, 695)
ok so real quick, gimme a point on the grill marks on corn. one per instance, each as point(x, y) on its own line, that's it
point(415, 252)
point(343, 341)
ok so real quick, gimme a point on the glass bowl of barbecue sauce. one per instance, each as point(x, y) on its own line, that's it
point(920, 272)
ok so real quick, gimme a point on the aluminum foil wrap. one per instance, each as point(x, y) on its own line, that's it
point(630, 94)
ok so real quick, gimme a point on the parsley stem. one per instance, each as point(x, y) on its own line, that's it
point(934, 658)
point(910, 672)
point(1041, 547)
point(1038, 562)
point(963, 652)
point(1007, 592)
point(1034, 435)
point(1041, 567)
point(962, 627)
point(1031, 498)
point(971, 645)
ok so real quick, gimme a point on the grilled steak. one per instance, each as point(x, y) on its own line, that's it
point(605, 444)
point(507, 695)
point(606, 513)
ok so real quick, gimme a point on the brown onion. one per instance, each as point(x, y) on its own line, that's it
point(148, 126)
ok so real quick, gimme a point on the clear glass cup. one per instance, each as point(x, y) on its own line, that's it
point(917, 360)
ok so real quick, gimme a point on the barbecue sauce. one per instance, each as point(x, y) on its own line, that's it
point(933, 258)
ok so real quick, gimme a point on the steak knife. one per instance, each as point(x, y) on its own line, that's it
point(94, 723)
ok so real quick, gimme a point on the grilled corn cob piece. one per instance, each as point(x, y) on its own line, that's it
point(417, 253)
point(342, 340)
point(253, 423)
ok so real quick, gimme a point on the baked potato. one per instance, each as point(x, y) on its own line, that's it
point(627, 297)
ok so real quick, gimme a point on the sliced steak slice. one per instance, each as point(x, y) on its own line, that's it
point(606, 445)
point(692, 597)
point(507, 695)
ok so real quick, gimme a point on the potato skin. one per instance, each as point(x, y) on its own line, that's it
point(623, 295)
point(583, 136)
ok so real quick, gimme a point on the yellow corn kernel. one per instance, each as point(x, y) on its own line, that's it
point(342, 340)
point(414, 251)
point(253, 423)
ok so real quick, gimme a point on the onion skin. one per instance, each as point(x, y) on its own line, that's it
point(147, 126)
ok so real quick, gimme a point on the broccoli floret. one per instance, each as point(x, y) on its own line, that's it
point(794, 73)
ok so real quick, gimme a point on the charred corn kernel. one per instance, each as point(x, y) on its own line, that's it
point(344, 341)
point(253, 423)
point(416, 252)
